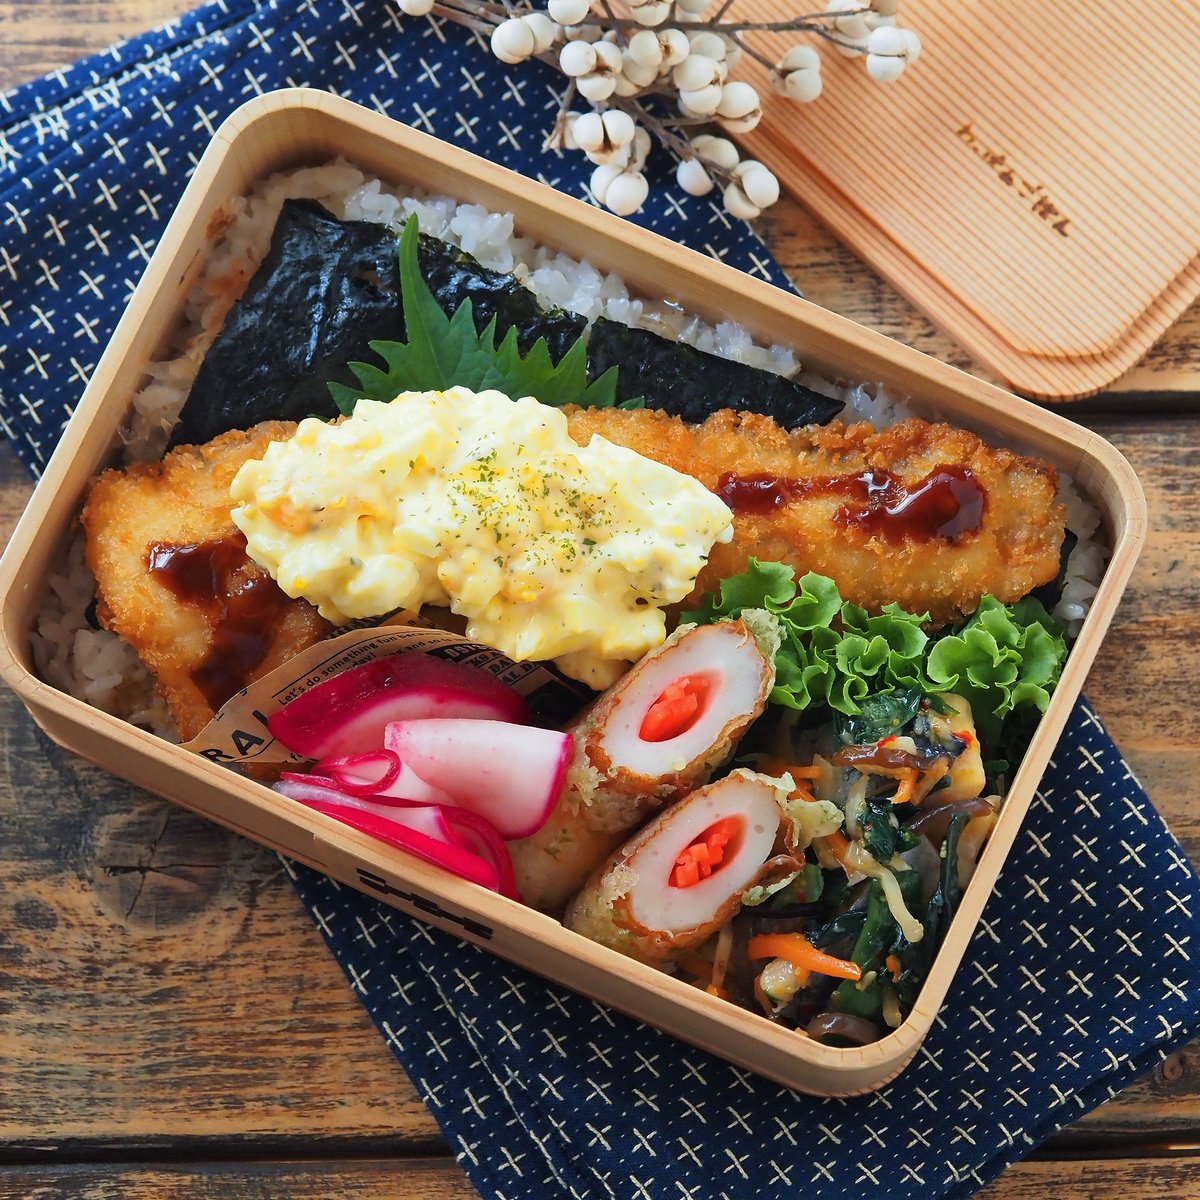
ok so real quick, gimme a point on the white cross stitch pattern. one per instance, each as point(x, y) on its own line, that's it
point(1079, 978)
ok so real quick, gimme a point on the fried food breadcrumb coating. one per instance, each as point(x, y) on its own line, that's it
point(206, 621)
point(1014, 549)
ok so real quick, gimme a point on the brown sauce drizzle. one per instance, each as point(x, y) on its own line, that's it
point(947, 503)
point(245, 607)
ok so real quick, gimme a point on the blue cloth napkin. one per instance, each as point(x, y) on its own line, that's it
point(1081, 975)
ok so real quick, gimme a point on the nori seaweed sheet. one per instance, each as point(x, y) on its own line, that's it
point(328, 287)
point(325, 290)
point(691, 384)
point(453, 276)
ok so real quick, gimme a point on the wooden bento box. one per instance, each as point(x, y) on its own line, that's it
point(301, 127)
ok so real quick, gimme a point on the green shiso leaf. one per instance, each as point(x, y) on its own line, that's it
point(443, 352)
point(835, 654)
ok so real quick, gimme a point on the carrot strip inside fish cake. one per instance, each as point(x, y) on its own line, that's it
point(173, 579)
point(922, 514)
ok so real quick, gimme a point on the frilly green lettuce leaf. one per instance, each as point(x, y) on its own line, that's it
point(835, 654)
point(1001, 659)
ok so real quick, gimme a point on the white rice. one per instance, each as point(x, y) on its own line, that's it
point(102, 669)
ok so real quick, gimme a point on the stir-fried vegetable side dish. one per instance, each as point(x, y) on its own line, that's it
point(815, 649)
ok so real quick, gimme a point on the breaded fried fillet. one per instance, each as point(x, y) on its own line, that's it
point(1012, 548)
point(174, 581)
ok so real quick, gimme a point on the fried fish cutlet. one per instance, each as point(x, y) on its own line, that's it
point(810, 520)
point(174, 581)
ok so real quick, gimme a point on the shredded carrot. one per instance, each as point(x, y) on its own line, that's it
point(720, 992)
point(802, 954)
point(769, 764)
point(695, 964)
point(928, 779)
point(893, 964)
point(887, 741)
point(908, 781)
point(839, 846)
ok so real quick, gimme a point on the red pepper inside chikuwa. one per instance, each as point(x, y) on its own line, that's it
point(705, 854)
point(676, 710)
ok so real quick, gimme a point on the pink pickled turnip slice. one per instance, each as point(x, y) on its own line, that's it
point(420, 829)
point(348, 713)
point(510, 774)
point(379, 773)
point(487, 843)
point(317, 789)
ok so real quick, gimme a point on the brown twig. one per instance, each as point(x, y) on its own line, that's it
point(555, 137)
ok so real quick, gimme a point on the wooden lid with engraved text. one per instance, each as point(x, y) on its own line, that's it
point(1027, 183)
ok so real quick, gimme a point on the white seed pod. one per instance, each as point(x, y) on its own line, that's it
point(415, 8)
point(596, 87)
point(588, 131)
point(645, 49)
point(850, 23)
point(886, 41)
point(639, 75)
point(602, 178)
point(740, 109)
point(704, 41)
point(639, 148)
point(912, 45)
point(674, 45)
point(693, 178)
point(627, 193)
point(619, 127)
point(738, 204)
point(576, 59)
point(702, 102)
point(884, 68)
point(757, 182)
point(876, 21)
point(801, 86)
point(568, 12)
point(799, 58)
point(692, 8)
point(719, 151)
point(885, 8)
point(544, 30)
point(733, 52)
point(649, 12)
point(695, 72)
point(513, 41)
point(625, 87)
point(609, 58)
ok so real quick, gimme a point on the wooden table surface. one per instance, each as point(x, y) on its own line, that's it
point(170, 1021)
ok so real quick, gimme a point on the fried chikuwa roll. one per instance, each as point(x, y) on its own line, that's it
point(681, 878)
point(659, 732)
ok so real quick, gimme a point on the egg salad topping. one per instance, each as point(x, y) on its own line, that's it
point(551, 550)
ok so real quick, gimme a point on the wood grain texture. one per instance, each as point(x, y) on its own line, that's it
point(439, 1179)
point(222, 1019)
point(180, 1007)
point(37, 36)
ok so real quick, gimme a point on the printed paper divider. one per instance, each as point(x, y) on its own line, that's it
point(239, 734)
